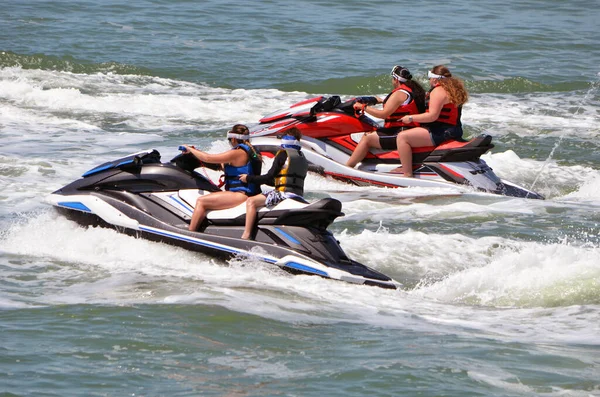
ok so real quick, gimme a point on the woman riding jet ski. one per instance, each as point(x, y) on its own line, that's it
point(332, 130)
point(141, 196)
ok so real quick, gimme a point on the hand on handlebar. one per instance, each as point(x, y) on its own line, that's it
point(359, 108)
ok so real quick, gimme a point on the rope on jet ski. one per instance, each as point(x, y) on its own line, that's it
point(221, 178)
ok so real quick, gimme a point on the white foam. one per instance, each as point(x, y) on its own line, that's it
point(554, 181)
point(100, 265)
point(527, 115)
point(139, 102)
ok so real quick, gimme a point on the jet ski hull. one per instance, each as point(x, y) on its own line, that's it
point(292, 236)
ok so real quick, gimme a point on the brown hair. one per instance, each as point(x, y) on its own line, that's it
point(243, 130)
point(418, 93)
point(455, 88)
point(295, 132)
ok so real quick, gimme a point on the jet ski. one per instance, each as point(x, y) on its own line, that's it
point(331, 131)
point(142, 196)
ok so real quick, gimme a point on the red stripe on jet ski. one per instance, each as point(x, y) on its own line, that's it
point(344, 178)
point(450, 171)
point(315, 99)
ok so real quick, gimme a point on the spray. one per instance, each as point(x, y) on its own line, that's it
point(593, 87)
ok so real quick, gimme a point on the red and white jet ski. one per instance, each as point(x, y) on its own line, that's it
point(331, 131)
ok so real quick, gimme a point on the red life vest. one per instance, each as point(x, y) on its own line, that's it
point(450, 113)
point(393, 120)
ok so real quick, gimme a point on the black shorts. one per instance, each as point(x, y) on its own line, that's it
point(387, 137)
point(441, 133)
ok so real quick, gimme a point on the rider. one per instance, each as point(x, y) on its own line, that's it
point(440, 122)
point(407, 97)
point(241, 159)
point(287, 174)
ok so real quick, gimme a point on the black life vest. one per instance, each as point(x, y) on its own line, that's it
point(291, 176)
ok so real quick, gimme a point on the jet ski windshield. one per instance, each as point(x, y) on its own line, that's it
point(131, 161)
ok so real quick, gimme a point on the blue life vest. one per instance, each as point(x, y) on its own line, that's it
point(252, 167)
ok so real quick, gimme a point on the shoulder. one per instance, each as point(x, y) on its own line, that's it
point(400, 91)
point(438, 92)
point(281, 155)
point(397, 96)
point(240, 152)
point(438, 89)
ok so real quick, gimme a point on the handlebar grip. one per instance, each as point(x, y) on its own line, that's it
point(367, 100)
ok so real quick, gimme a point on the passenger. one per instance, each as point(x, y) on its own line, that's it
point(287, 174)
point(242, 159)
point(440, 122)
point(407, 97)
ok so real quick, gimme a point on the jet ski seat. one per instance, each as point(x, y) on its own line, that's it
point(288, 212)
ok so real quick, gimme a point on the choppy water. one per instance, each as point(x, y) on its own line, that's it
point(501, 297)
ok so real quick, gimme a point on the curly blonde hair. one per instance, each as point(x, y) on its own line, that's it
point(455, 88)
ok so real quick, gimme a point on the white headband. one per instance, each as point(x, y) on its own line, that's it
point(434, 76)
point(233, 135)
point(397, 76)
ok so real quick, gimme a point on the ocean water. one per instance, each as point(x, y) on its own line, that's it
point(501, 295)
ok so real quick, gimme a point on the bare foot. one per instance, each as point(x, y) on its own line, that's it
point(400, 171)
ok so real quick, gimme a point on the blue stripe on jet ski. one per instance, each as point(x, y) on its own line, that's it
point(181, 203)
point(305, 268)
point(201, 242)
point(106, 167)
point(284, 234)
point(96, 170)
point(74, 206)
point(124, 162)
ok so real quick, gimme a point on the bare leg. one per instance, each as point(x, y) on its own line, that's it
point(198, 215)
point(367, 142)
point(406, 140)
point(405, 154)
point(252, 205)
point(214, 201)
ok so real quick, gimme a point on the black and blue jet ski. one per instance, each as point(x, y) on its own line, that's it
point(142, 196)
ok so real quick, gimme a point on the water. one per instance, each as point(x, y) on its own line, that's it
point(501, 295)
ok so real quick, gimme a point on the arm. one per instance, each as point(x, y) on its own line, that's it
point(395, 100)
point(437, 100)
point(233, 157)
point(269, 177)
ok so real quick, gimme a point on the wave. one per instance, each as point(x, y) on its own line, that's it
point(486, 271)
point(449, 269)
point(348, 85)
point(360, 85)
point(67, 63)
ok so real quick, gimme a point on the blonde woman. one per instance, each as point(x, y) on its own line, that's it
point(441, 120)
